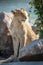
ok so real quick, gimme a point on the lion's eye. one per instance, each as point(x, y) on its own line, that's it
point(23, 20)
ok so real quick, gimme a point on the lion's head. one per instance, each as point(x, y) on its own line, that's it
point(20, 14)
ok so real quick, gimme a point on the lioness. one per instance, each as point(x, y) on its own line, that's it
point(21, 33)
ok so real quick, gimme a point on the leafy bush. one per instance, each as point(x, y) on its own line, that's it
point(38, 10)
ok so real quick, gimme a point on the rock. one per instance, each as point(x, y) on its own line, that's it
point(32, 51)
point(10, 59)
point(6, 44)
point(34, 28)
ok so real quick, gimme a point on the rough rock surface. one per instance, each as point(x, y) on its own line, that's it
point(6, 46)
point(34, 48)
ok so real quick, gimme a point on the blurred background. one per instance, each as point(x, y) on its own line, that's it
point(8, 5)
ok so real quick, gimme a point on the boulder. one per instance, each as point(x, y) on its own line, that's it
point(6, 44)
point(32, 51)
point(34, 28)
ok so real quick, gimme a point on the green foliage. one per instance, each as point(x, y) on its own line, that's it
point(38, 5)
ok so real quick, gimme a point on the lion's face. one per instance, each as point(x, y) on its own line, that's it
point(20, 14)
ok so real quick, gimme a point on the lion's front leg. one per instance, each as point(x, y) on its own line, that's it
point(15, 46)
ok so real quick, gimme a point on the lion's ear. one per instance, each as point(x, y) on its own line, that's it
point(22, 9)
point(13, 11)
